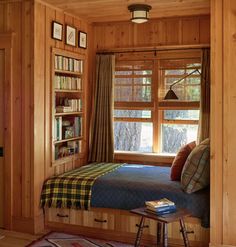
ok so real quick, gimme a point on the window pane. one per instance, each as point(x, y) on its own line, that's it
point(133, 81)
point(124, 81)
point(132, 113)
point(176, 135)
point(173, 70)
point(117, 72)
point(143, 72)
point(123, 93)
point(133, 136)
point(143, 80)
point(181, 114)
point(142, 94)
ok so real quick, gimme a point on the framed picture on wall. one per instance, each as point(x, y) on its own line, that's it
point(70, 35)
point(82, 39)
point(57, 30)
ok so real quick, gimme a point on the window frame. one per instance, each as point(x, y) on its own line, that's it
point(157, 106)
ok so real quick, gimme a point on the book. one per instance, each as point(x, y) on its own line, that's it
point(159, 203)
point(161, 209)
point(61, 109)
point(168, 211)
point(58, 129)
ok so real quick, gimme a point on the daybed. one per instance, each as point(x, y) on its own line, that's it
point(128, 187)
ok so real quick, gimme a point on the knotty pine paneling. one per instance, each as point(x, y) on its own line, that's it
point(17, 17)
point(30, 21)
point(229, 122)
point(43, 45)
point(114, 10)
point(166, 31)
point(223, 121)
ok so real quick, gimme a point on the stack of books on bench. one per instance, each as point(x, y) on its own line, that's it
point(160, 207)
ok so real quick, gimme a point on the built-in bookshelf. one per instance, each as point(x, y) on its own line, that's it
point(67, 105)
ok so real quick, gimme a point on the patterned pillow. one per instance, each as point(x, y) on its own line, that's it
point(196, 171)
point(179, 161)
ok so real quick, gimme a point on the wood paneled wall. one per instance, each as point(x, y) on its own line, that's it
point(30, 21)
point(44, 15)
point(166, 31)
point(223, 122)
point(17, 17)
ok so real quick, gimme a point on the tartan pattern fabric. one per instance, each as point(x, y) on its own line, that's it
point(196, 172)
point(73, 189)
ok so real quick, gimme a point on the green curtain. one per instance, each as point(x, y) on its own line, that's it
point(101, 148)
point(204, 121)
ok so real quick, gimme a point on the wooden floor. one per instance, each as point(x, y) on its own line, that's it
point(15, 239)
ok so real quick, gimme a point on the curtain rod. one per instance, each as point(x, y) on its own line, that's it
point(154, 49)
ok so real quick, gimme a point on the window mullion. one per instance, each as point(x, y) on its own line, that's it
point(156, 143)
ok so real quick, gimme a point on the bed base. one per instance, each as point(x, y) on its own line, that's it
point(121, 225)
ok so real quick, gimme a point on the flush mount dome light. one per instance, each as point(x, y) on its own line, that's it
point(139, 12)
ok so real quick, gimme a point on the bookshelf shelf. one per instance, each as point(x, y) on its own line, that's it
point(65, 72)
point(68, 113)
point(68, 139)
point(67, 91)
point(68, 97)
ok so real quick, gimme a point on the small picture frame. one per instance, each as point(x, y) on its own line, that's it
point(70, 35)
point(57, 30)
point(82, 40)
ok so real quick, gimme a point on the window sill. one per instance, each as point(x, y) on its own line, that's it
point(152, 158)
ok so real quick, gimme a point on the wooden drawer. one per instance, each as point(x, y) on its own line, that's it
point(127, 223)
point(195, 231)
point(92, 219)
point(86, 218)
point(60, 215)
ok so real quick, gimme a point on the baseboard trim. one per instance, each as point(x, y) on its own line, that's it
point(220, 245)
point(28, 225)
point(21, 224)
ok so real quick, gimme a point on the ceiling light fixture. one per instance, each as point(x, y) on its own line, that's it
point(139, 12)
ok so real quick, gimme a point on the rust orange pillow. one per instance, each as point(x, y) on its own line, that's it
point(179, 161)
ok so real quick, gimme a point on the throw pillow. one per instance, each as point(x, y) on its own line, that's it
point(179, 161)
point(196, 171)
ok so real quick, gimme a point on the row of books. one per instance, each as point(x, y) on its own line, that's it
point(66, 82)
point(68, 64)
point(65, 129)
point(160, 207)
point(71, 105)
point(66, 149)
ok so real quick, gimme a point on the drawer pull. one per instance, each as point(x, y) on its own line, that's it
point(145, 226)
point(63, 216)
point(100, 221)
point(188, 231)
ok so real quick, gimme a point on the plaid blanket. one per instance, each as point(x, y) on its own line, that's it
point(73, 189)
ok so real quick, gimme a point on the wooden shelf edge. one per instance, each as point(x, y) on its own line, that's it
point(68, 113)
point(69, 139)
point(67, 72)
point(67, 91)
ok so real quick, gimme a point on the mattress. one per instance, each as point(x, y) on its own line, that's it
point(131, 185)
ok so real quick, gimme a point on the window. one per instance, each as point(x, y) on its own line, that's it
point(143, 121)
point(133, 127)
point(179, 121)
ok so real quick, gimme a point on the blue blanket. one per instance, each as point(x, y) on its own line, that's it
point(130, 186)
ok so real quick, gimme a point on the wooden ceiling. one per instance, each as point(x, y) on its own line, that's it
point(116, 10)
